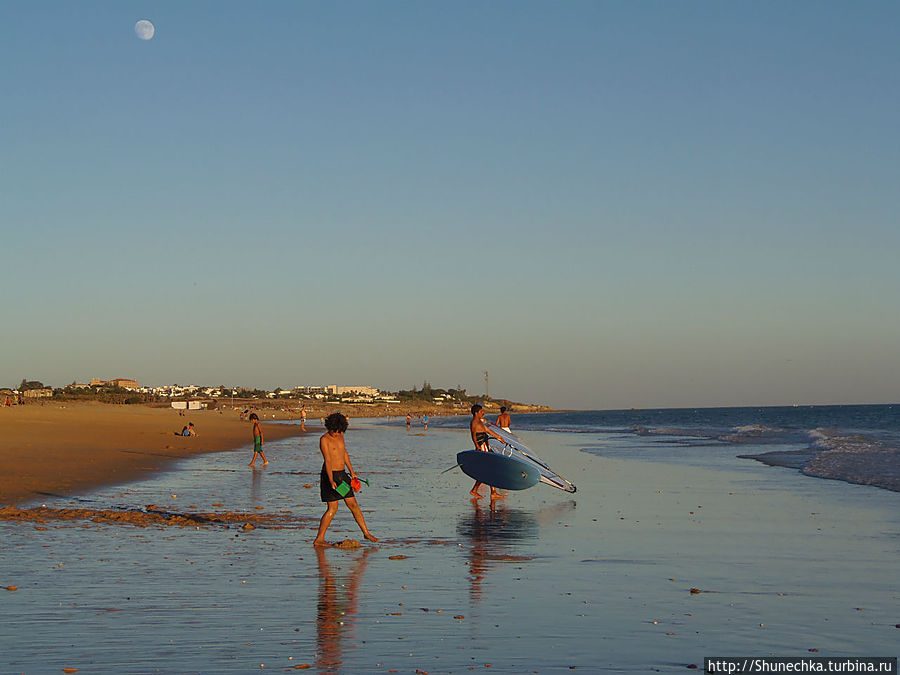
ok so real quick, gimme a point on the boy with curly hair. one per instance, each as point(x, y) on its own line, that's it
point(336, 459)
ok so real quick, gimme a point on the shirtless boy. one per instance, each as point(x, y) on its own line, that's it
point(503, 419)
point(480, 432)
point(336, 458)
point(257, 440)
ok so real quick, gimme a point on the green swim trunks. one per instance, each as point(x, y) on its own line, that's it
point(257, 444)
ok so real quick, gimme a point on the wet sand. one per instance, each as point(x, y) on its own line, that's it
point(69, 448)
point(650, 566)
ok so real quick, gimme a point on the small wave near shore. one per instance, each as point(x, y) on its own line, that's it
point(853, 443)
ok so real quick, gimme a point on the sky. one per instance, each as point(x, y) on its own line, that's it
point(602, 204)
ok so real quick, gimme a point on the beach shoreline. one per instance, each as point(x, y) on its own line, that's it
point(661, 558)
point(66, 448)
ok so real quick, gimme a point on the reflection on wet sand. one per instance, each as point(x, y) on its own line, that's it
point(492, 530)
point(256, 493)
point(489, 529)
point(338, 604)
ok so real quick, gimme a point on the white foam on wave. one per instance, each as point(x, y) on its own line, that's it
point(754, 433)
point(754, 429)
point(672, 431)
point(855, 458)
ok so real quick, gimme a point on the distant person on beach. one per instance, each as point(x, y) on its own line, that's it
point(503, 420)
point(408, 420)
point(303, 418)
point(425, 421)
point(257, 440)
point(335, 461)
point(480, 432)
point(187, 430)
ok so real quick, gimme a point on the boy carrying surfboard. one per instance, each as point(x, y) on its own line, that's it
point(480, 432)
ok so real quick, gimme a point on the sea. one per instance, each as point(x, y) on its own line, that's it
point(693, 533)
point(853, 443)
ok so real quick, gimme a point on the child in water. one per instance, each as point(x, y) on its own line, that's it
point(257, 440)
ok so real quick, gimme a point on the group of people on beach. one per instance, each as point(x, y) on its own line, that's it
point(338, 480)
point(187, 430)
point(409, 421)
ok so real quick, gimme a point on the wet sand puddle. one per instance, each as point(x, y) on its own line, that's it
point(162, 576)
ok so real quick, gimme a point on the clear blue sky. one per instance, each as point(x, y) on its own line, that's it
point(603, 204)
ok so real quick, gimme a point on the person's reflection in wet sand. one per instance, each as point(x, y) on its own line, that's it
point(256, 488)
point(338, 604)
point(491, 530)
point(479, 551)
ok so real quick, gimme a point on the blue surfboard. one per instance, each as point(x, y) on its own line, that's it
point(500, 471)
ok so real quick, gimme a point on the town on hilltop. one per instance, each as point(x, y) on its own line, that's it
point(129, 391)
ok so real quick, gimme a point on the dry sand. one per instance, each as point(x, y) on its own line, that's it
point(69, 448)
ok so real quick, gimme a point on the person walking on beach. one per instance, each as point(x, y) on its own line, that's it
point(334, 481)
point(480, 432)
point(408, 420)
point(425, 421)
point(257, 440)
point(503, 420)
point(303, 418)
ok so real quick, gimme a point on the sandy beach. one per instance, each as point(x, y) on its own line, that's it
point(68, 448)
point(651, 566)
point(57, 448)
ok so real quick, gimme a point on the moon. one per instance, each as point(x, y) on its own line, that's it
point(144, 29)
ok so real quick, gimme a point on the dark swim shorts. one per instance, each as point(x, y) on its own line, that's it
point(328, 493)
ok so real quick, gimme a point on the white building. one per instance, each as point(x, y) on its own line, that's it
point(355, 389)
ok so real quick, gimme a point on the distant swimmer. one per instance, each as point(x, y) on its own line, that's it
point(335, 483)
point(408, 420)
point(503, 420)
point(480, 432)
point(257, 440)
